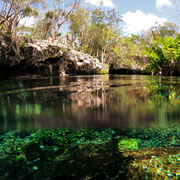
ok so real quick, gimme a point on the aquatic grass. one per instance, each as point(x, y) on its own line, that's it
point(131, 144)
point(50, 152)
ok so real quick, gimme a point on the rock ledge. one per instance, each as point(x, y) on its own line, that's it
point(45, 57)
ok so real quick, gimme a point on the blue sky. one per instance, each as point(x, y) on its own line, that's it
point(139, 15)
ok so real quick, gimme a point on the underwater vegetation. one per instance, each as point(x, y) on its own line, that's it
point(121, 153)
point(128, 144)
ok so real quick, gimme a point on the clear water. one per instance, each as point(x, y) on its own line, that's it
point(90, 127)
point(89, 101)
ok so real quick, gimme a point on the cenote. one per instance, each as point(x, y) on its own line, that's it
point(90, 127)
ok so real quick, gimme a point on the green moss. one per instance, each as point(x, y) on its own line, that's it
point(104, 71)
point(128, 144)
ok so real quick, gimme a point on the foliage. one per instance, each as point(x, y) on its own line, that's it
point(44, 27)
point(62, 11)
point(97, 32)
point(164, 55)
point(79, 21)
point(167, 29)
point(11, 12)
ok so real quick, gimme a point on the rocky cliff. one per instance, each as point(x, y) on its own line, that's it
point(45, 57)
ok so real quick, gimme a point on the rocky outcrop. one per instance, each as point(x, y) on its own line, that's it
point(45, 57)
point(9, 51)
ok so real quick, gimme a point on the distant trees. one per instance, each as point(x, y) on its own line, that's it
point(96, 34)
point(79, 23)
point(104, 33)
point(62, 10)
point(57, 15)
point(167, 29)
point(12, 11)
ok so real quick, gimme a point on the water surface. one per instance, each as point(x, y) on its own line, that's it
point(89, 101)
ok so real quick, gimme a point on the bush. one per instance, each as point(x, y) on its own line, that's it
point(164, 55)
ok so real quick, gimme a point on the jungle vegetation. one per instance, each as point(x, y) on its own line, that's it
point(95, 31)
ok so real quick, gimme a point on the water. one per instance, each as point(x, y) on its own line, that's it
point(89, 101)
point(128, 125)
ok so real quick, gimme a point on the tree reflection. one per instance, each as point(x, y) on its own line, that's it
point(90, 101)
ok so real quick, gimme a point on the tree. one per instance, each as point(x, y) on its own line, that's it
point(62, 9)
point(55, 16)
point(44, 27)
point(105, 32)
point(79, 22)
point(167, 29)
point(12, 11)
point(97, 35)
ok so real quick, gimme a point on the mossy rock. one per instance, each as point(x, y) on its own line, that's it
point(131, 144)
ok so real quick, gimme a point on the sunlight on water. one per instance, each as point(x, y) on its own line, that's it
point(89, 101)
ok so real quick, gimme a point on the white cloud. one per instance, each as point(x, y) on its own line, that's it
point(27, 21)
point(138, 21)
point(162, 3)
point(106, 3)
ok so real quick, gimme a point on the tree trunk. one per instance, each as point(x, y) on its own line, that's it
point(97, 53)
point(73, 40)
point(102, 58)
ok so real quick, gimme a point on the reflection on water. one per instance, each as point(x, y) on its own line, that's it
point(89, 101)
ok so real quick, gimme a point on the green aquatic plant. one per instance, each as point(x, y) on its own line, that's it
point(48, 153)
point(131, 144)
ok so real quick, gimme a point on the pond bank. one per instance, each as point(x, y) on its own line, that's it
point(44, 57)
point(19, 56)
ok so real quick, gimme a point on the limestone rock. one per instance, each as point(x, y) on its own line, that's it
point(46, 57)
point(9, 51)
point(74, 62)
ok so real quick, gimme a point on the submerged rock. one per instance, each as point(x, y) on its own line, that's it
point(45, 57)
